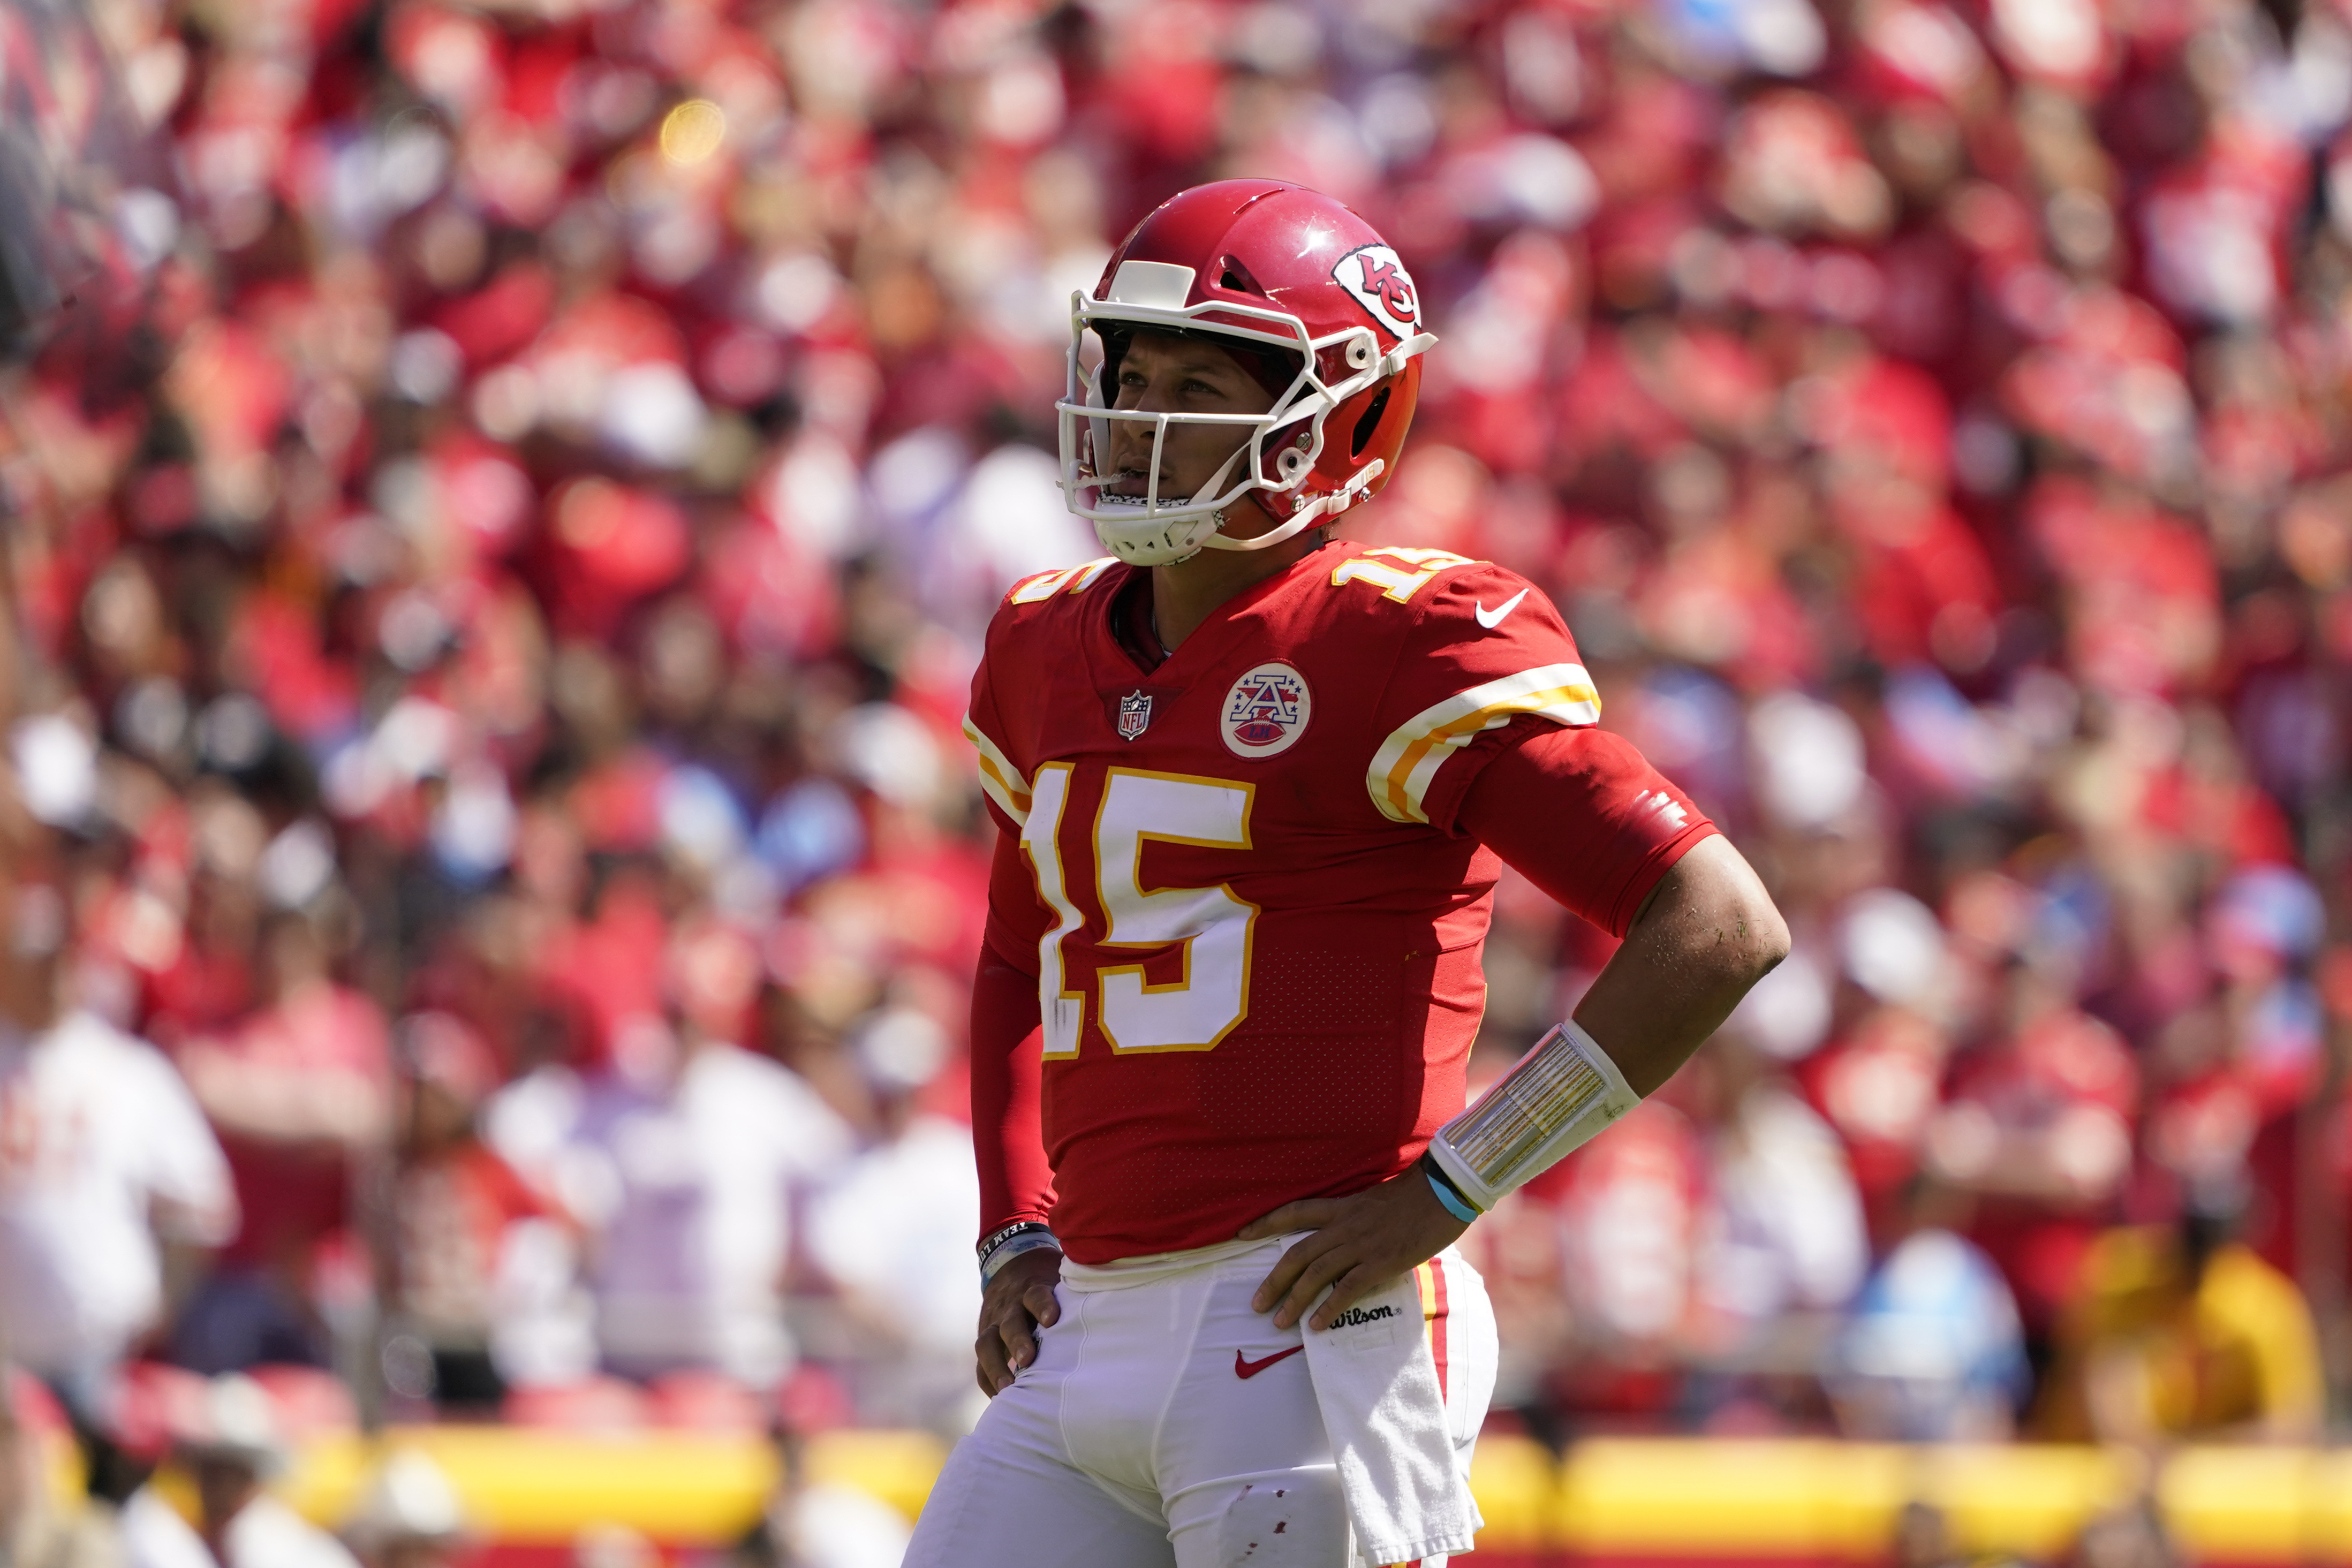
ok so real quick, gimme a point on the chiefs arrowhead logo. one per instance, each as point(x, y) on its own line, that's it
point(1376, 277)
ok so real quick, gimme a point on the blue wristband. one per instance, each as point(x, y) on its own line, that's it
point(1453, 1200)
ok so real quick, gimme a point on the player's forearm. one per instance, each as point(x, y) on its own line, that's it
point(1708, 933)
point(1007, 1129)
point(1705, 934)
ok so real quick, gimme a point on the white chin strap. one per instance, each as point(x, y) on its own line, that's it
point(1314, 511)
point(1176, 535)
point(1164, 536)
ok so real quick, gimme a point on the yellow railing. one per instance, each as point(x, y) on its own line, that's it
point(1689, 1499)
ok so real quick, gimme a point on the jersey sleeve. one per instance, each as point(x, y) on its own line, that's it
point(1017, 921)
point(1482, 647)
point(1582, 815)
point(1008, 1070)
point(1004, 782)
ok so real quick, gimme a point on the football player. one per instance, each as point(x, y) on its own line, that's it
point(1254, 788)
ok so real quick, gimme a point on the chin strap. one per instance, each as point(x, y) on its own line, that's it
point(1318, 510)
point(1394, 359)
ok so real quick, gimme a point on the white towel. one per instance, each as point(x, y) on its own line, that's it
point(1376, 1381)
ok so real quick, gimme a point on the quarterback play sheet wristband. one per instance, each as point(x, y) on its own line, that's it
point(1554, 1099)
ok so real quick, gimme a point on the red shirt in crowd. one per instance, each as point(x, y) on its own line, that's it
point(321, 1040)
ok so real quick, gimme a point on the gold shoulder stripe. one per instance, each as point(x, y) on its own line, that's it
point(1408, 761)
point(998, 777)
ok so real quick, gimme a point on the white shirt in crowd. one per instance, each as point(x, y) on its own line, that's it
point(897, 1227)
point(1791, 1234)
point(686, 1177)
point(101, 1142)
point(264, 1533)
point(830, 1526)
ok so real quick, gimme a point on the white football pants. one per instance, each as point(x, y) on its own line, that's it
point(1164, 1423)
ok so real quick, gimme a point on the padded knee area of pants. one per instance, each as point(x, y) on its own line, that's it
point(1294, 1521)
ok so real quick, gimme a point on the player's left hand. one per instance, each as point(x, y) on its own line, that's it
point(1361, 1243)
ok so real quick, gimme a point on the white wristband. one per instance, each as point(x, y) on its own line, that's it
point(1558, 1096)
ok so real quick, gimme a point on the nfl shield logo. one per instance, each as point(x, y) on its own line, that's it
point(1134, 715)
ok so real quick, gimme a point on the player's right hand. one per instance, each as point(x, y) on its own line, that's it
point(1018, 1302)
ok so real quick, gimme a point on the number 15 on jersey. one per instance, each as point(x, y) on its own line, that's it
point(1214, 928)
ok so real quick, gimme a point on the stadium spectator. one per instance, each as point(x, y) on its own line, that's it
point(2037, 1128)
point(456, 1206)
point(1931, 1352)
point(2178, 1332)
point(888, 1231)
point(230, 1440)
point(809, 1522)
point(1789, 1239)
point(409, 1515)
point(686, 1160)
point(30, 1531)
point(112, 1188)
point(302, 1092)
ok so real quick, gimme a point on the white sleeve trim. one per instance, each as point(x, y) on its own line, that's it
point(1408, 761)
point(998, 777)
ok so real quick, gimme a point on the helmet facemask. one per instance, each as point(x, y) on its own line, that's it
point(1155, 531)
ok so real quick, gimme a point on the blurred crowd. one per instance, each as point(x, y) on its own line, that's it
point(490, 876)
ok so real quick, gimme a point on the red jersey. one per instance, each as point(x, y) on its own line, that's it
point(1254, 925)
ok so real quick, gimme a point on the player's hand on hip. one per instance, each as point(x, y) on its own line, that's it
point(1361, 1243)
point(1017, 1303)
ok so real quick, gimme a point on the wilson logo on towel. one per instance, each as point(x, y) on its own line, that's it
point(1355, 1316)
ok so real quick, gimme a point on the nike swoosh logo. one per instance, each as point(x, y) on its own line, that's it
point(1490, 618)
point(1252, 1368)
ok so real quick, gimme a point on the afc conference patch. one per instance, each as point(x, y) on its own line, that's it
point(1266, 711)
point(1134, 715)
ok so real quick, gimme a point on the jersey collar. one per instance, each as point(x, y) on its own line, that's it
point(1124, 624)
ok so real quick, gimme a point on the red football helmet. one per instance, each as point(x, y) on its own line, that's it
point(1272, 266)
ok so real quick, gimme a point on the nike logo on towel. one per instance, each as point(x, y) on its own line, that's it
point(1252, 1368)
point(1490, 618)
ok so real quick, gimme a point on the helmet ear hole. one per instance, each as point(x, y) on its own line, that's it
point(1293, 463)
point(1367, 426)
point(1360, 350)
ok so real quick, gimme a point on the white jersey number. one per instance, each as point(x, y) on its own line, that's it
point(1201, 1006)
